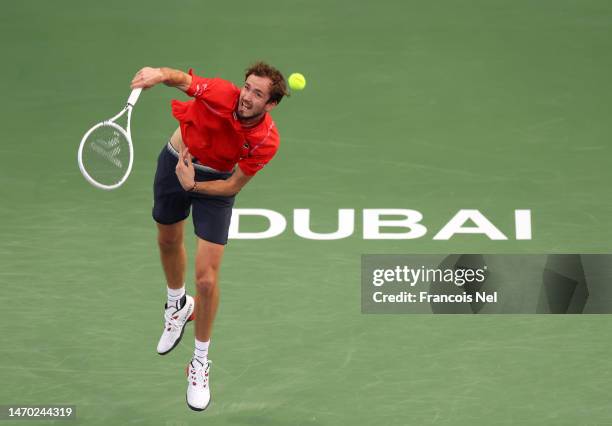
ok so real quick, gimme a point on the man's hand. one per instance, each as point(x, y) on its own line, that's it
point(147, 77)
point(225, 188)
point(185, 171)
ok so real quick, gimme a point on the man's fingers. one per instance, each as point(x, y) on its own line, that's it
point(181, 155)
point(180, 163)
point(144, 78)
point(137, 81)
point(186, 157)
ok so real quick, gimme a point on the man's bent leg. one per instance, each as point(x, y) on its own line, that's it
point(179, 307)
point(172, 252)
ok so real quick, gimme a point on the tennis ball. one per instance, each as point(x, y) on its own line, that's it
point(297, 81)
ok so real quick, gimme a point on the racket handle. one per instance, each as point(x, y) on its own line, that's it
point(134, 96)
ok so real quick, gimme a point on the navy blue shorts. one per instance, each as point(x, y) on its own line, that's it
point(211, 214)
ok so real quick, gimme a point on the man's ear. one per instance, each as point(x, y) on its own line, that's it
point(270, 106)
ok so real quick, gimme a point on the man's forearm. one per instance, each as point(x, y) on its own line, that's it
point(176, 78)
point(148, 77)
point(219, 187)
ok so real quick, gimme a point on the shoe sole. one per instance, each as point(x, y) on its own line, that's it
point(191, 318)
point(198, 409)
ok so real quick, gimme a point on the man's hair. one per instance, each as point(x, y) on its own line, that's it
point(278, 88)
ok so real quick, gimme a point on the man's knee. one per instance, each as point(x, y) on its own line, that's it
point(208, 263)
point(206, 283)
point(170, 237)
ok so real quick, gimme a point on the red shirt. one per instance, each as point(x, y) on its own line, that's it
point(214, 135)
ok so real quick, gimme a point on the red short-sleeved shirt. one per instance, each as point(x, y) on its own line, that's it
point(214, 135)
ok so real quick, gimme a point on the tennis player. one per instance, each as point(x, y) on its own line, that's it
point(225, 136)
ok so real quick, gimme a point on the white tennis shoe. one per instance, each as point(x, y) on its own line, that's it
point(198, 389)
point(175, 321)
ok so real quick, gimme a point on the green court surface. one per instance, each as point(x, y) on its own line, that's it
point(433, 106)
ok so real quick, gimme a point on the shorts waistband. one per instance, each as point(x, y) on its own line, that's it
point(196, 165)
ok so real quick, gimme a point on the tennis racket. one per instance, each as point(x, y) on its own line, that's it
point(106, 153)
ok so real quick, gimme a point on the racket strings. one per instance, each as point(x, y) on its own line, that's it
point(108, 148)
point(106, 155)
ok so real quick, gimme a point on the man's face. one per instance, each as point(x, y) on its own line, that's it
point(254, 97)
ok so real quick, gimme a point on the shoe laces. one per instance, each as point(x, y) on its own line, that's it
point(172, 320)
point(198, 373)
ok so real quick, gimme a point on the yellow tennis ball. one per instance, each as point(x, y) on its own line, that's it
point(297, 81)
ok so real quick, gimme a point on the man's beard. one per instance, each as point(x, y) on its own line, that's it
point(248, 117)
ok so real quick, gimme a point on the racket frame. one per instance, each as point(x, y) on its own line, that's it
point(125, 132)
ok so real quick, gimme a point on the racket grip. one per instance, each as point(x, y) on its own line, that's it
point(134, 96)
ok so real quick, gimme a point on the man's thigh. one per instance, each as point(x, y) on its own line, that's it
point(171, 234)
point(212, 217)
point(171, 203)
point(208, 259)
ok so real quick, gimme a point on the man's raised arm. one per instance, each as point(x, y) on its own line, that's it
point(148, 77)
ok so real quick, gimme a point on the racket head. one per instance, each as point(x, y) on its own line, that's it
point(106, 155)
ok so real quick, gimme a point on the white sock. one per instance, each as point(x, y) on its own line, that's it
point(175, 296)
point(201, 351)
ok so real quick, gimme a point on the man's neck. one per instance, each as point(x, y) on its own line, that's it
point(251, 121)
